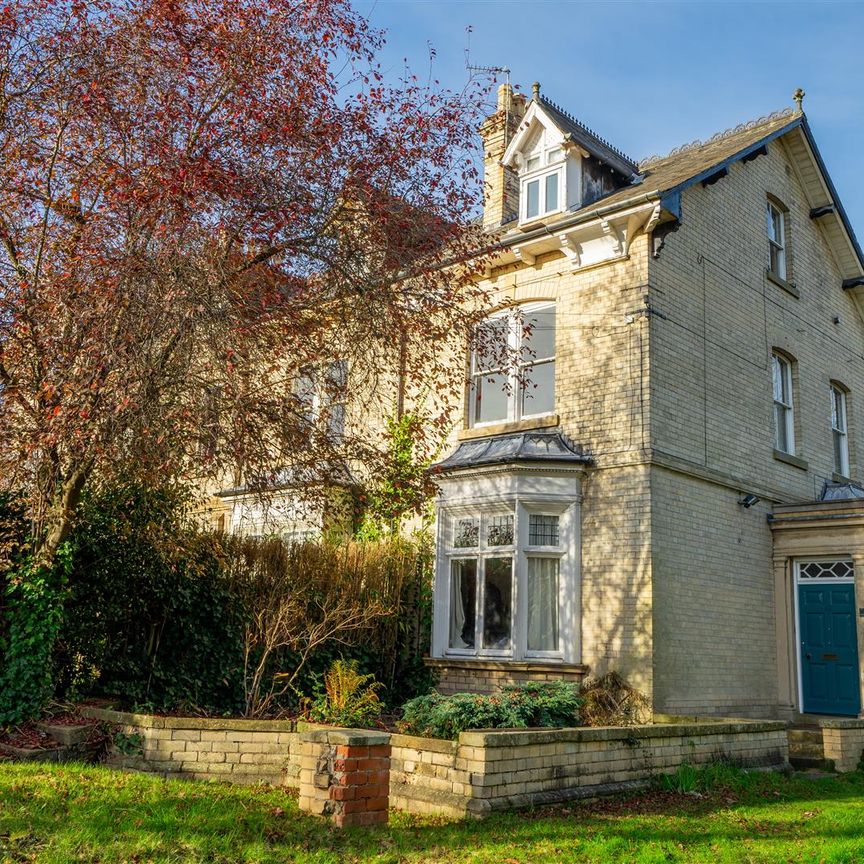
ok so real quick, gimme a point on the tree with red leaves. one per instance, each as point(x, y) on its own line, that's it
point(198, 198)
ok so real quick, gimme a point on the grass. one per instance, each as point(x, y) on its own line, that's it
point(64, 814)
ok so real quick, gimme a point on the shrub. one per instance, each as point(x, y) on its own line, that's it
point(34, 615)
point(721, 772)
point(610, 701)
point(349, 698)
point(149, 615)
point(517, 706)
point(300, 598)
point(170, 618)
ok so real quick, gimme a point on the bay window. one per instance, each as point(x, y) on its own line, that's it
point(505, 570)
point(513, 365)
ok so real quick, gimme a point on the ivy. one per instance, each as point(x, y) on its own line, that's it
point(403, 489)
point(34, 613)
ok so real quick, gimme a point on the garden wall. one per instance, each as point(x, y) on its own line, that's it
point(482, 772)
point(498, 770)
point(843, 741)
point(199, 748)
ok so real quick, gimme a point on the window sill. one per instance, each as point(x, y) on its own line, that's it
point(511, 665)
point(789, 459)
point(788, 287)
point(544, 422)
point(840, 478)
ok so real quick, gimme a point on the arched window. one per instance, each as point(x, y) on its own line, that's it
point(784, 408)
point(513, 365)
point(840, 428)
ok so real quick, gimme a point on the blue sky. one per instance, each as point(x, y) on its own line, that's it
point(649, 76)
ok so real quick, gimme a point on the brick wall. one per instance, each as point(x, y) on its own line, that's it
point(198, 748)
point(456, 676)
point(345, 775)
point(712, 430)
point(714, 635)
point(481, 772)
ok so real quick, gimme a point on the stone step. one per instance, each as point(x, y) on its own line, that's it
point(810, 763)
point(804, 736)
point(815, 751)
point(806, 742)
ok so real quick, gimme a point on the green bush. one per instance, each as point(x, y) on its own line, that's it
point(349, 698)
point(517, 706)
point(158, 613)
point(149, 616)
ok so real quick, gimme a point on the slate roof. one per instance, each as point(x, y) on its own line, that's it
point(589, 139)
point(841, 492)
point(665, 173)
point(507, 449)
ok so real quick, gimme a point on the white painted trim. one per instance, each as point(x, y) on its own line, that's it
point(521, 491)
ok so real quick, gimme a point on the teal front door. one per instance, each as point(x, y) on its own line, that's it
point(829, 648)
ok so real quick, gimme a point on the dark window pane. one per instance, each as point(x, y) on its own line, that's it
point(551, 192)
point(498, 603)
point(542, 530)
point(499, 531)
point(466, 533)
point(532, 205)
point(463, 603)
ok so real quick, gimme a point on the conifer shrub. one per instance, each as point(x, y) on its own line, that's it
point(542, 704)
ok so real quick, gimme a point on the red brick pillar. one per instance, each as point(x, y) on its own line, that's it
point(345, 774)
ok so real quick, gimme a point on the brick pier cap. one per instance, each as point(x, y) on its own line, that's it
point(345, 774)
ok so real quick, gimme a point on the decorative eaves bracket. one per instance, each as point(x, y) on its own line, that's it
point(618, 229)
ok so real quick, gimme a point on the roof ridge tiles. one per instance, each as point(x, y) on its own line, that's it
point(719, 136)
point(587, 129)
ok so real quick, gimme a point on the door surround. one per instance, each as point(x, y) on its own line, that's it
point(799, 580)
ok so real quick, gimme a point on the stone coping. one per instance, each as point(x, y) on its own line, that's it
point(151, 721)
point(842, 723)
point(417, 742)
point(346, 737)
point(514, 737)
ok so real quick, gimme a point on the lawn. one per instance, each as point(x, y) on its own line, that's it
point(73, 813)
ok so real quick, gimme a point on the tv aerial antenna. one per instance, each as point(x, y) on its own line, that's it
point(493, 70)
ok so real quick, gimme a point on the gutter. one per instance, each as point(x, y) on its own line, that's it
point(584, 216)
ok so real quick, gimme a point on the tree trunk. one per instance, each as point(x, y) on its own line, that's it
point(59, 516)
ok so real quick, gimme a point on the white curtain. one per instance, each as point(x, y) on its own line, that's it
point(542, 604)
point(463, 584)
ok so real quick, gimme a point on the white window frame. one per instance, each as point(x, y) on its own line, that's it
point(321, 398)
point(784, 404)
point(552, 159)
point(840, 429)
point(519, 552)
point(518, 372)
point(776, 225)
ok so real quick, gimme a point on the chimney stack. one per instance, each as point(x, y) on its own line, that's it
point(501, 184)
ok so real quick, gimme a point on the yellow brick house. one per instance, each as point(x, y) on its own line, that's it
point(664, 479)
